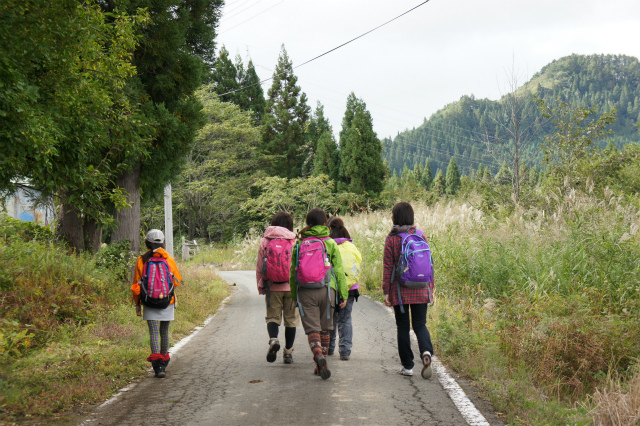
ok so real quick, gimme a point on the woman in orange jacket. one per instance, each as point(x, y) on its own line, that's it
point(158, 308)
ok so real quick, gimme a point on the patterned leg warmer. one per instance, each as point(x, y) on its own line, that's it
point(154, 336)
point(325, 339)
point(315, 344)
point(164, 337)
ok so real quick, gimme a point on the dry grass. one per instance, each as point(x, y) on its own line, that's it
point(618, 404)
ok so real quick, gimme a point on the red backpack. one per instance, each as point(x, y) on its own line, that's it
point(277, 260)
point(156, 285)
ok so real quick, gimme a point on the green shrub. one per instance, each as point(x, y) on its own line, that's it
point(118, 259)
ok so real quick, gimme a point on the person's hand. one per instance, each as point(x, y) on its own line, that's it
point(139, 310)
point(343, 304)
point(387, 302)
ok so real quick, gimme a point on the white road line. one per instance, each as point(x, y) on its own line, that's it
point(471, 414)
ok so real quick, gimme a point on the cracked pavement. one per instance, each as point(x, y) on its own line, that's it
point(221, 377)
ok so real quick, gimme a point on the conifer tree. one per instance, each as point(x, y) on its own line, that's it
point(252, 94)
point(611, 148)
point(439, 183)
point(326, 155)
point(427, 175)
point(486, 175)
point(417, 172)
point(361, 165)
point(505, 175)
point(406, 174)
point(225, 77)
point(453, 177)
point(318, 125)
point(284, 120)
point(480, 172)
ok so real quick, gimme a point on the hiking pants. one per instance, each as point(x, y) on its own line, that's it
point(415, 315)
point(343, 326)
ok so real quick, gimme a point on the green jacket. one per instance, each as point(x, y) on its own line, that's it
point(334, 259)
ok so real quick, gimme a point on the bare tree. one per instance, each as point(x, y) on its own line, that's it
point(517, 123)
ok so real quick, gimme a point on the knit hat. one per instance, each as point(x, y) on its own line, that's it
point(155, 236)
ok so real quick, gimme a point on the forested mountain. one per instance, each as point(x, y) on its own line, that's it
point(461, 128)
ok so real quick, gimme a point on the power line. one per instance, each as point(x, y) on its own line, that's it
point(362, 35)
point(323, 54)
point(239, 12)
point(247, 20)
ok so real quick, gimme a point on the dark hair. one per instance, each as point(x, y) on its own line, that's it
point(402, 214)
point(337, 229)
point(315, 217)
point(151, 246)
point(283, 219)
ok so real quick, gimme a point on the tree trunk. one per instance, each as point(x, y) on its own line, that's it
point(92, 235)
point(128, 218)
point(70, 226)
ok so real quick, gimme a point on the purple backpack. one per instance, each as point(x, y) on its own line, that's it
point(277, 260)
point(313, 269)
point(156, 285)
point(415, 266)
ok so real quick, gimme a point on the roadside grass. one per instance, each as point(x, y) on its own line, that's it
point(69, 334)
point(538, 308)
point(237, 255)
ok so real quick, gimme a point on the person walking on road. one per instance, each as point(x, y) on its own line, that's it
point(155, 276)
point(272, 274)
point(316, 278)
point(351, 259)
point(409, 303)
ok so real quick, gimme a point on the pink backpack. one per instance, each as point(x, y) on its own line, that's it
point(277, 260)
point(156, 285)
point(313, 269)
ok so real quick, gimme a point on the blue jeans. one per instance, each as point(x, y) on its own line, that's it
point(414, 315)
point(343, 325)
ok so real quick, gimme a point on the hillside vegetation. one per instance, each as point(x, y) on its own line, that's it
point(458, 130)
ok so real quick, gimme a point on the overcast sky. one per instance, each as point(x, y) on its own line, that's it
point(414, 66)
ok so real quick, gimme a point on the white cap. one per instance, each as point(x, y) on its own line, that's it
point(155, 236)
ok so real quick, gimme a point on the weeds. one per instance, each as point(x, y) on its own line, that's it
point(69, 334)
point(562, 287)
point(618, 403)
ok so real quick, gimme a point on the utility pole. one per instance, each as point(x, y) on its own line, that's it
point(168, 220)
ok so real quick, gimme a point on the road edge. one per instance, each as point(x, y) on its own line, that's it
point(467, 409)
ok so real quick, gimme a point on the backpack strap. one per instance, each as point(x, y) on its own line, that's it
point(266, 284)
point(296, 280)
point(402, 235)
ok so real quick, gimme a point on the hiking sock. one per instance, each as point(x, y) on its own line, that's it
point(154, 336)
point(314, 344)
point(325, 338)
point(289, 336)
point(273, 329)
point(164, 336)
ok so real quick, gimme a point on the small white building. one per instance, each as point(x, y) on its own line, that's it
point(22, 205)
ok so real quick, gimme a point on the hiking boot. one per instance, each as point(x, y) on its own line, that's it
point(426, 367)
point(274, 347)
point(156, 366)
point(287, 356)
point(162, 365)
point(344, 357)
point(322, 368)
point(406, 371)
point(330, 352)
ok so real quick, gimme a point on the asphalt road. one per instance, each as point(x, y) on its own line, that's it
point(221, 377)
